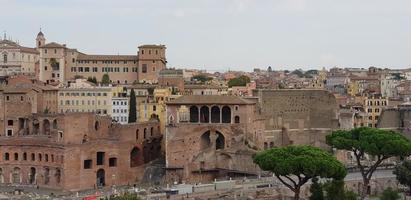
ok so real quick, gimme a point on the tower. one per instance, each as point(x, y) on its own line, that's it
point(40, 40)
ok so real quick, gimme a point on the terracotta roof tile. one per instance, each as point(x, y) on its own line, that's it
point(210, 99)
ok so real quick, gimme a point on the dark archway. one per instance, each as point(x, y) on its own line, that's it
point(193, 114)
point(215, 114)
point(205, 141)
point(226, 114)
point(204, 114)
point(46, 127)
point(36, 127)
point(57, 175)
point(134, 157)
point(137, 134)
point(101, 178)
point(46, 175)
point(220, 141)
point(16, 175)
point(237, 119)
point(55, 124)
point(32, 175)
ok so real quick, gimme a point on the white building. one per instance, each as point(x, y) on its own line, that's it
point(120, 109)
point(388, 86)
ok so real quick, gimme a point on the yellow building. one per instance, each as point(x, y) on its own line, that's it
point(374, 106)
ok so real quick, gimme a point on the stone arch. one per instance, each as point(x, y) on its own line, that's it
point(220, 141)
point(32, 175)
point(100, 178)
point(215, 114)
point(57, 175)
point(194, 114)
point(16, 156)
point(46, 175)
point(46, 126)
point(135, 157)
point(226, 114)
point(55, 124)
point(16, 175)
point(205, 141)
point(204, 114)
point(237, 119)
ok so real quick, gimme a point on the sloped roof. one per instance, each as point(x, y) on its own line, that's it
point(210, 99)
point(52, 45)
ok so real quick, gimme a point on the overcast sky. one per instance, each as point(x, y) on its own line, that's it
point(225, 34)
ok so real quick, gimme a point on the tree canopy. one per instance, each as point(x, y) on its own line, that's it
point(105, 80)
point(301, 162)
point(92, 79)
point(201, 77)
point(132, 113)
point(379, 143)
point(239, 81)
point(403, 173)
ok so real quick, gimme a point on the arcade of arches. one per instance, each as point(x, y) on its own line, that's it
point(211, 114)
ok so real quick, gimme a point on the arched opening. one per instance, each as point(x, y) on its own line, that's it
point(16, 175)
point(46, 175)
point(226, 114)
point(145, 133)
point(220, 141)
point(205, 141)
point(101, 176)
point(204, 114)
point(151, 131)
point(55, 124)
point(134, 157)
point(57, 175)
point(96, 125)
point(137, 133)
point(32, 175)
point(46, 127)
point(36, 127)
point(193, 114)
point(215, 114)
point(237, 119)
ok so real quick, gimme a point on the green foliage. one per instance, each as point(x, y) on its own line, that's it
point(126, 196)
point(132, 113)
point(105, 80)
point(316, 190)
point(92, 79)
point(78, 76)
point(398, 76)
point(239, 81)
point(303, 162)
point(403, 173)
point(297, 72)
point(390, 194)
point(381, 144)
point(202, 78)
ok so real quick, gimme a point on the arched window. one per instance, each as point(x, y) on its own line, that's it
point(55, 124)
point(6, 156)
point(220, 141)
point(204, 114)
point(236, 119)
point(16, 156)
point(145, 133)
point(226, 114)
point(215, 114)
point(137, 132)
point(24, 156)
point(151, 131)
point(134, 157)
point(205, 141)
point(58, 175)
point(5, 58)
point(193, 114)
point(46, 127)
point(33, 157)
point(16, 175)
point(46, 175)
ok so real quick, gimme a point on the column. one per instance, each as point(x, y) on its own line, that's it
point(209, 115)
point(221, 114)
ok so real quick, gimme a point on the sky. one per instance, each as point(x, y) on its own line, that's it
point(221, 35)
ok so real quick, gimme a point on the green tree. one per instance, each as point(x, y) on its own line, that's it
point(201, 77)
point(381, 144)
point(92, 79)
point(126, 196)
point(239, 81)
point(316, 190)
point(296, 165)
point(132, 113)
point(390, 194)
point(105, 80)
point(335, 190)
point(403, 173)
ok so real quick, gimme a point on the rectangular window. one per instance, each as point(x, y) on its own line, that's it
point(80, 69)
point(95, 69)
point(144, 68)
point(87, 164)
point(112, 162)
point(87, 69)
point(100, 158)
point(9, 122)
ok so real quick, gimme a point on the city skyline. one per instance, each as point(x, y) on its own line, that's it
point(222, 35)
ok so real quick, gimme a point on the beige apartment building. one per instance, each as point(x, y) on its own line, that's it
point(58, 63)
point(82, 96)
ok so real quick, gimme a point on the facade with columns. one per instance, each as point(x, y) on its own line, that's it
point(209, 136)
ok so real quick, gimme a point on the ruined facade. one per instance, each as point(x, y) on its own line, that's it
point(77, 151)
point(211, 136)
point(398, 119)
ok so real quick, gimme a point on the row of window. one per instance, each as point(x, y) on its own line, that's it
point(377, 103)
point(5, 57)
point(77, 102)
point(24, 157)
point(119, 110)
point(97, 111)
point(121, 119)
point(377, 110)
point(112, 162)
point(103, 69)
point(104, 61)
point(76, 94)
point(120, 103)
